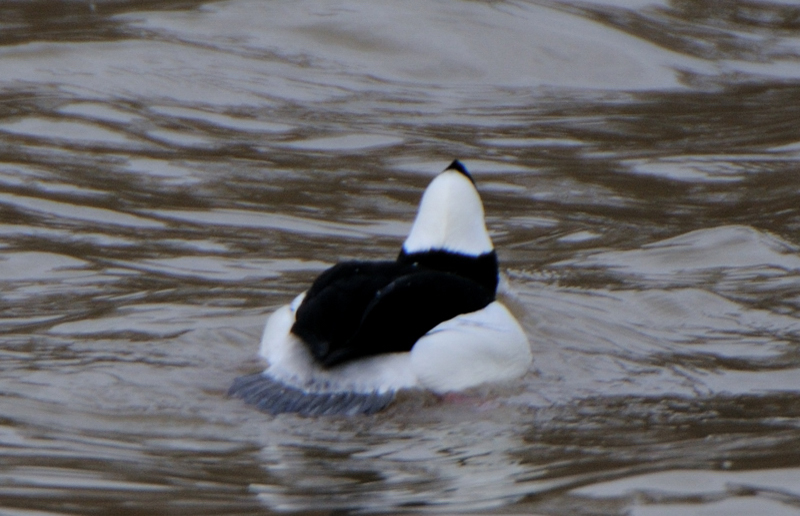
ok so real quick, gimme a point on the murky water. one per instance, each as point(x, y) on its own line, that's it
point(171, 171)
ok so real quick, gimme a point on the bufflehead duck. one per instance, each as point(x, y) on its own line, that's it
point(427, 320)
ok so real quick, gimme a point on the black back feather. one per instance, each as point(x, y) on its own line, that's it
point(359, 309)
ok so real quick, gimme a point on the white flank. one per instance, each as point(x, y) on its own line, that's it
point(450, 218)
point(471, 349)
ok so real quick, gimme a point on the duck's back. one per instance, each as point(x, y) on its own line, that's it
point(359, 309)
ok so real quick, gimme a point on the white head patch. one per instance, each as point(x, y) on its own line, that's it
point(450, 218)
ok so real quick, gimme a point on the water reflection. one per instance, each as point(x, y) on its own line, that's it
point(171, 171)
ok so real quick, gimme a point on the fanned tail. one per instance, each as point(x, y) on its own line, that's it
point(275, 397)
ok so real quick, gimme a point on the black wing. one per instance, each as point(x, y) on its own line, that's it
point(410, 307)
point(481, 268)
point(391, 313)
point(334, 305)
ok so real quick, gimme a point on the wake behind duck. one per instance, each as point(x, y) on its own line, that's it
point(367, 329)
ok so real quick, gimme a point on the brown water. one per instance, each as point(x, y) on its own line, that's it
point(171, 171)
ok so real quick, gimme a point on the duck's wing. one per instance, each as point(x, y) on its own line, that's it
point(334, 305)
point(275, 397)
point(405, 310)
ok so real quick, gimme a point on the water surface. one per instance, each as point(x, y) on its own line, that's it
point(170, 172)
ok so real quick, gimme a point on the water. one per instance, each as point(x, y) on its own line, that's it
point(170, 172)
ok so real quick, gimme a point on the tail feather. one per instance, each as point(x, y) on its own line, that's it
point(275, 397)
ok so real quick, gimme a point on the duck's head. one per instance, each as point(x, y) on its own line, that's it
point(450, 217)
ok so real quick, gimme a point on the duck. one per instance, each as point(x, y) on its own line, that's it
point(366, 330)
